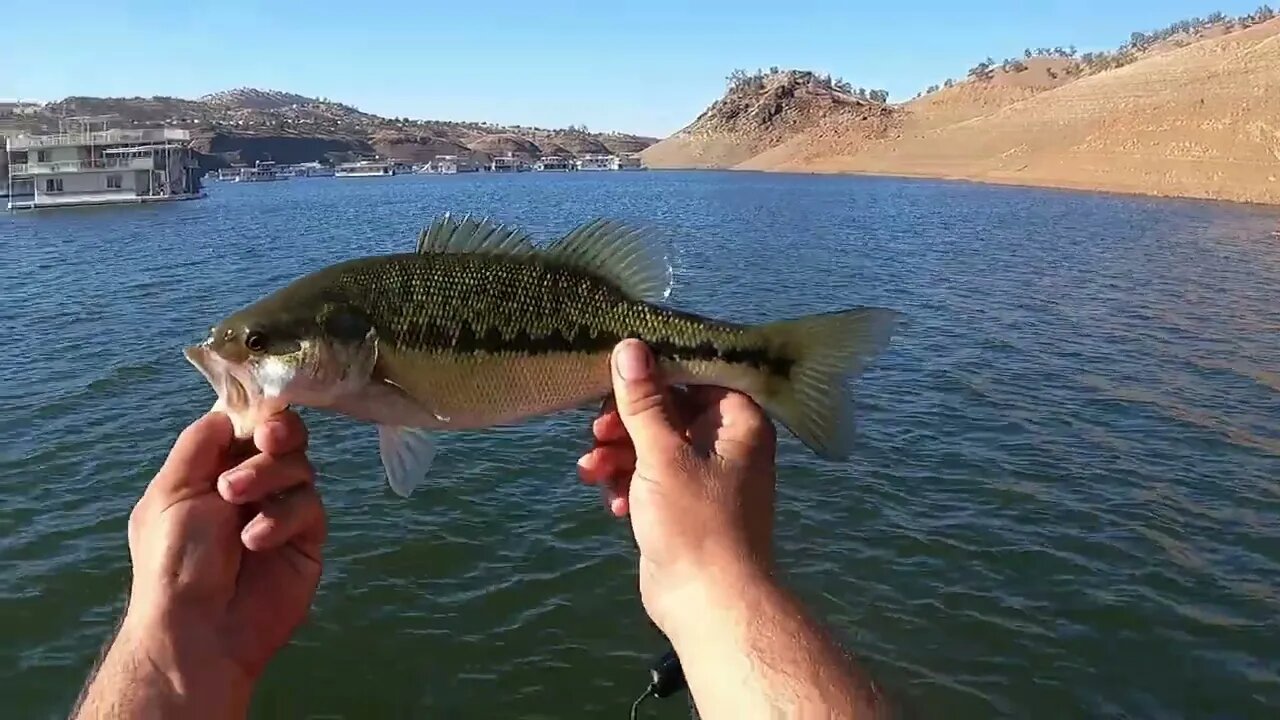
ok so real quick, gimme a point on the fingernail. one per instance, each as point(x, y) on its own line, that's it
point(232, 479)
point(254, 532)
point(632, 360)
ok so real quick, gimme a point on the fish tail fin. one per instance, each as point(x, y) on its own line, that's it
point(828, 350)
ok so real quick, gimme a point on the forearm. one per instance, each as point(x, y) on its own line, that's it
point(749, 649)
point(144, 674)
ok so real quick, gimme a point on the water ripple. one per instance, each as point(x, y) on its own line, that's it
point(1065, 498)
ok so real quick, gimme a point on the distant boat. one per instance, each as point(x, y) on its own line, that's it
point(312, 169)
point(553, 163)
point(508, 163)
point(262, 171)
point(372, 168)
point(626, 162)
point(595, 162)
point(449, 165)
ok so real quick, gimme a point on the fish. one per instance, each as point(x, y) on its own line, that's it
point(479, 327)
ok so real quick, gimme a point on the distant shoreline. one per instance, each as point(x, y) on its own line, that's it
point(1085, 188)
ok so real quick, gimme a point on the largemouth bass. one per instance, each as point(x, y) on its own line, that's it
point(480, 327)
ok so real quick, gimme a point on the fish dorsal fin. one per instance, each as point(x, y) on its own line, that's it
point(469, 235)
point(621, 254)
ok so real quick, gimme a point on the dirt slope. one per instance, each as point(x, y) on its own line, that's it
point(1200, 120)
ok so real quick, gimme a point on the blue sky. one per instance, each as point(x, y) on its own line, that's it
point(647, 67)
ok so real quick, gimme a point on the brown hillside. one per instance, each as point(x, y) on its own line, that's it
point(970, 99)
point(503, 145)
point(1193, 114)
point(578, 144)
point(415, 147)
point(1200, 121)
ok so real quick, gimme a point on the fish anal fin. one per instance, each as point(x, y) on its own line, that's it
point(618, 253)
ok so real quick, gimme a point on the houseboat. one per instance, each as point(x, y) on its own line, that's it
point(224, 174)
point(626, 162)
point(553, 163)
point(372, 168)
point(83, 166)
point(312, 169)
point(595, 162)
point(505, 164)
point(450, 165)
point(262, 171)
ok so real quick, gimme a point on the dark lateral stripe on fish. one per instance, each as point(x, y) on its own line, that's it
point(467, 341)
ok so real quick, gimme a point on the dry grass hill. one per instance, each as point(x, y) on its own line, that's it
point(1192, 110)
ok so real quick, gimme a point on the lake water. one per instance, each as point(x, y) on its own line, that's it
point(1065, 501)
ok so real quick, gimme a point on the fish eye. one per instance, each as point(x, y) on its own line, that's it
point(255, 341)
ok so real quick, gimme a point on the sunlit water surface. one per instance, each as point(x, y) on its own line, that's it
point(1065, 500)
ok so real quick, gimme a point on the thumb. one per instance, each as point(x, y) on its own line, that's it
point(196, 458)
point(642, 399)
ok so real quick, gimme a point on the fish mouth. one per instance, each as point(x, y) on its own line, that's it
point(239, 395)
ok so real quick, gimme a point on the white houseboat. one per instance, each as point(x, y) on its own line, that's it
point(595, 162)
point(224, 174)
point(312, 169)
point(262, 171)
point(372, 168)
point(505, 164)
point(450, 165)
point(626, 162)
point(83, 166)
point(553, 163)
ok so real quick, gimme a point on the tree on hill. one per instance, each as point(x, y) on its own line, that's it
point(879, 96)
point(982, 71)
point(740, 79)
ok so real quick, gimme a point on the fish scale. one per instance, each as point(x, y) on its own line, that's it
point(479, 327)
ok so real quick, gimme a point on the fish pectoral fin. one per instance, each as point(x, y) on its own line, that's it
point(626, 256)
point(407, 454)
point(442, 419)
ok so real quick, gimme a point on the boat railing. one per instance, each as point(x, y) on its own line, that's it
point(142, 163)
point(100, 137)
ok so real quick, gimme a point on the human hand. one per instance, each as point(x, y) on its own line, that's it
point(694, 470)
point(226, 548)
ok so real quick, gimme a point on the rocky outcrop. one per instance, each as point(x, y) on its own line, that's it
point(765, 111)
point(220, 149)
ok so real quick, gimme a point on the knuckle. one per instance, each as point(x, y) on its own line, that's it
point(643, 404)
